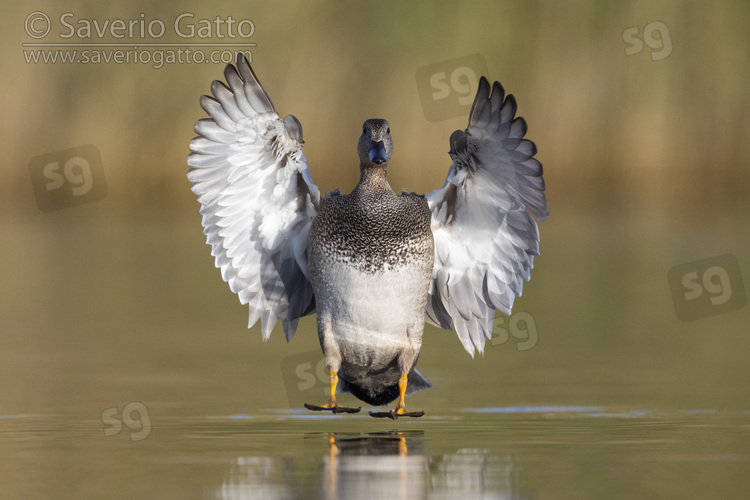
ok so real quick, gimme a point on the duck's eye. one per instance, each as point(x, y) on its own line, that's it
point(364, 130)
point(388, 131)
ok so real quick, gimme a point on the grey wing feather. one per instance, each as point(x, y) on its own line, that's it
point(258, 199)
point(485, 237)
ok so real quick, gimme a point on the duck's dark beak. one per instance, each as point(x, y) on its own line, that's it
point(377, 152)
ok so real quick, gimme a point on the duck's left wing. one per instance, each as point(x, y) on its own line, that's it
point(485, 237)
point(258, 199)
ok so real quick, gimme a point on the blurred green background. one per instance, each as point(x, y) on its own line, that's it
point(646, 163)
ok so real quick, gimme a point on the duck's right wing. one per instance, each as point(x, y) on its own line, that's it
point(258, 199)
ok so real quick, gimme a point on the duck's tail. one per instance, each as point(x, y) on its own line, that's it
point(380, 395)
point(416, 382)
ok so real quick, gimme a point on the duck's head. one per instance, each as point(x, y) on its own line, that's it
point(375, 146)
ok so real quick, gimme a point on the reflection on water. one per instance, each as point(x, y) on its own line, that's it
point(256, 477)
point(379, 465)
point(391, 465)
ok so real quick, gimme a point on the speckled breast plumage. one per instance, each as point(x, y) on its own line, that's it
point(372, 232)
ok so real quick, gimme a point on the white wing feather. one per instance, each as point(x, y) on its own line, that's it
point(258, 199)
point(485, 239)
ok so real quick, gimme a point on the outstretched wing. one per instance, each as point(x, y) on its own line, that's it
point(258, 199)
point(485, 239)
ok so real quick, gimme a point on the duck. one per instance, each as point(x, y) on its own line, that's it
point(373, 265)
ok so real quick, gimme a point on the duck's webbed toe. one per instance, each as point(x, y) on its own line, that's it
point(400, 410)
point(394, 414)
point(332, 406)
point(336, 408)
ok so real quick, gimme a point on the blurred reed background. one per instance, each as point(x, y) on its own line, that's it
point(666, 134)
point(646, 162)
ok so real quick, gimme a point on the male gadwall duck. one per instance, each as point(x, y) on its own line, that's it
point(372, 264)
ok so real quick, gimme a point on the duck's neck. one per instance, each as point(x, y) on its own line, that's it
point(373, 179)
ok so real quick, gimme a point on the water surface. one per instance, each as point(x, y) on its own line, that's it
point(482, 453)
